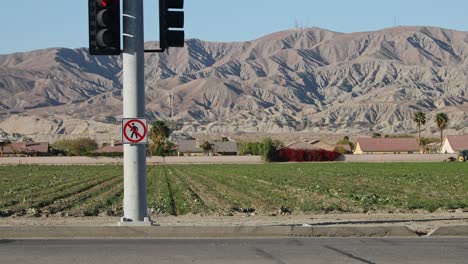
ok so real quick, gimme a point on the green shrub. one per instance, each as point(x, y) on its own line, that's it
point(345, 141)
point(269, 150)
point(251, 148)
point(75, 147)
point(340, 150)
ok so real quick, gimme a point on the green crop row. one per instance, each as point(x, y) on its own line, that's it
point(226, 189)
point(34, 190)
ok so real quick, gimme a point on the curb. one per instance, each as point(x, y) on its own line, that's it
point(155, 232)
point(450, 231)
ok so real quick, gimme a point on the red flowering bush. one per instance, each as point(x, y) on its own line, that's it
point(300, 155)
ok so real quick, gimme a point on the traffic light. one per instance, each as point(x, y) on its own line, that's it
point(171, 24)
point(104, 27)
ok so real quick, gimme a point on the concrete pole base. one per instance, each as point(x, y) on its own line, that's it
point(126, 222)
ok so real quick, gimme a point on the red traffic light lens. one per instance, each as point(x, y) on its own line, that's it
point(104, 3)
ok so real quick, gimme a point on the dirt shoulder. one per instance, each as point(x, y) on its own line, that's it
point(421, 222)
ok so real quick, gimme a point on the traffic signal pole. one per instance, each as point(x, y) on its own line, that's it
point(104, 39)
point(134, 204)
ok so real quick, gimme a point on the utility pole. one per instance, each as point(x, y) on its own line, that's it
point(135, 207)
point(172, 108)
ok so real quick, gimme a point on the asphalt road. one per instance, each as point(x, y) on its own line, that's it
point(219, 251)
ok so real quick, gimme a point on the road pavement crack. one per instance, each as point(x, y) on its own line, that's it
point(269, 256)
point(349, 255)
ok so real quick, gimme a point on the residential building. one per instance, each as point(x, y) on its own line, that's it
point(26, 149)
point(225, 148)
point(316, 145)
point(192, 148)
point(386, 146)
point(310, 145)
point(115, 148)
point(453, 144)
point(189, 148)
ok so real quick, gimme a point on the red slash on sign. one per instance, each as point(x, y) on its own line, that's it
point(134, 131)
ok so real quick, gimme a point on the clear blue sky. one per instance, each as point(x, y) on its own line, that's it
point(34, 24)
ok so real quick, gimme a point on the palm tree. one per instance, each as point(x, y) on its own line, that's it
point(420, 119)
point(441, 119)
point(158, 134)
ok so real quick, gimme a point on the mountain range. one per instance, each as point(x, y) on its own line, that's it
point(308, 79)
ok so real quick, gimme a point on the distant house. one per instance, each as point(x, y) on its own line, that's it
point(310, 145)
point(192, 148)
point(386, 146)
point(26, 149)
point(453, 144)
point(115, 148)
point(225, 148)
point(189, 148)
point(316, 145)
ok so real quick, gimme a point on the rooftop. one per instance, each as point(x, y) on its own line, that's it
point(458, 142)
point(26, 148)
point(388, 144)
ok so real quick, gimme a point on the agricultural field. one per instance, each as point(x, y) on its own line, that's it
point(227, 189)
point(66, 190)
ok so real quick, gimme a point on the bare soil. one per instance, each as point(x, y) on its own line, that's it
point(421, 222)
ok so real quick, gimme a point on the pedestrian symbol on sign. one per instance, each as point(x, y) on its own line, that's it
point(134, 131)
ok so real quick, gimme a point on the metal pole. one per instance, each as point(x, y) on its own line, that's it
point(135, 207)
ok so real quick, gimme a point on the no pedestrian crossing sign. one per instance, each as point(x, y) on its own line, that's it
point(134, 131)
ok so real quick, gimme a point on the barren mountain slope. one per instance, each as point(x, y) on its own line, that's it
point(295, 80)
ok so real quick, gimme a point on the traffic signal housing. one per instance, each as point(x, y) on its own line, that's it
point(171, 24)
point(104, 27)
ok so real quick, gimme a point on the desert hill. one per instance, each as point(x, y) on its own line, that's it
point(296, 80)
